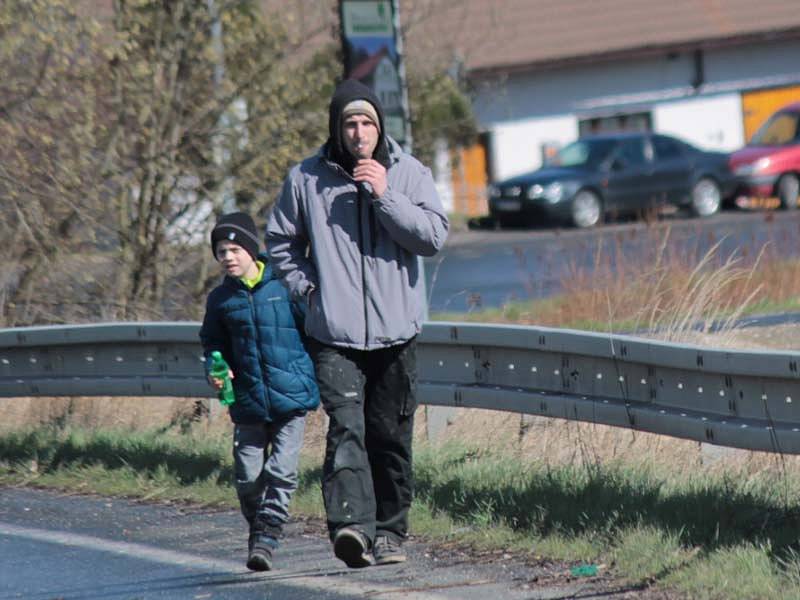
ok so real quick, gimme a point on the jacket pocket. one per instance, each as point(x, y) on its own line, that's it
point(410, 403)
point(408, 363)
point(303, 370)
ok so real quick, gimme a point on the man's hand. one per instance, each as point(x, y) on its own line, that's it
point(372, 172)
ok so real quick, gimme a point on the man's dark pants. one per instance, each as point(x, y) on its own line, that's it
point(370, 399)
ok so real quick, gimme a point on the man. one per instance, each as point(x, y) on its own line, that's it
point(345, 235)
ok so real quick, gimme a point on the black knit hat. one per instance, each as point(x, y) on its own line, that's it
point(239, 228)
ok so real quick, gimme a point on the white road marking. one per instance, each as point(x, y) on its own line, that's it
point(136, 550)
point(319, 582)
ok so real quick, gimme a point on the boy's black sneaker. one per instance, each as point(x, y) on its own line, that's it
point(352, 547)
point(388, 551)
point(259, 555)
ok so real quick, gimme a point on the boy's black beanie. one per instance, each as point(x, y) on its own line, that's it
point(239, 228)
point(347, 91)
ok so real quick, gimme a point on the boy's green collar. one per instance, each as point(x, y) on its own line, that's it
point(251, 283)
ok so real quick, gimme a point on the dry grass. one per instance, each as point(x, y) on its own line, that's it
point(95, 412)
point(677, 294)
point(558, 442)
point(553, 441)
point(669, 286)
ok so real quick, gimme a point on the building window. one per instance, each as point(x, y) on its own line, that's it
point(641, 121)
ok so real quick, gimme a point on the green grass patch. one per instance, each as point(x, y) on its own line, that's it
point(645, 553)
point(711, 536)
point(744, 572)
point(151, 465)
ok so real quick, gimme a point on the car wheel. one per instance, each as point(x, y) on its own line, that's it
point(499, 223)
point(706, 197)
point(788, 190)
point(586, 209)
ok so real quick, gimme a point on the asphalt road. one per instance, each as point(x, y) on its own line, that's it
point(66, 547)
point(479, 269)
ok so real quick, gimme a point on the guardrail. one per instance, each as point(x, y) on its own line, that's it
point(743, 399)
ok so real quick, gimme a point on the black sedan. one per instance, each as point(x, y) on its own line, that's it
point(625, 173)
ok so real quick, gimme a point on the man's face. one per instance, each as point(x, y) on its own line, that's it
point(236, 261)
point(360, 134)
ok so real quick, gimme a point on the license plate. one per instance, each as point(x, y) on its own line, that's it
point(508, 205)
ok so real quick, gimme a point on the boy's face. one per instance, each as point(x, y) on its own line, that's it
point(234, 259)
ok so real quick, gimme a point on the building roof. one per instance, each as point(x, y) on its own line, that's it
point(365, 68)
point(509, 35)
point(492, 36)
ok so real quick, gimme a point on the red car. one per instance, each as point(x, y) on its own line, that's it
point(769, 166)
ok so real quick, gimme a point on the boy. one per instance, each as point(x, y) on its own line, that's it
point(251, 321)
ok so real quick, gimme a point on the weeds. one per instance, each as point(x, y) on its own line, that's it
point(710, 535)
point(668, 286)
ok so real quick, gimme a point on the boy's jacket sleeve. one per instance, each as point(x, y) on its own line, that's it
point(212, 335)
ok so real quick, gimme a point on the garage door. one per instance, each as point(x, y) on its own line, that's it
point(758, 105)
point(469, 180)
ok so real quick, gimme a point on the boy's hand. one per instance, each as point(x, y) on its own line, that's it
point(216, 382)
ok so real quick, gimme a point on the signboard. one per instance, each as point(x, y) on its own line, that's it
point(371, 55)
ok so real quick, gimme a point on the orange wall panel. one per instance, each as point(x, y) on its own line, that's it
point(469, 180)
point(758, 106)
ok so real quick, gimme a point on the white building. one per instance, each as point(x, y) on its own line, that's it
point(546, 71)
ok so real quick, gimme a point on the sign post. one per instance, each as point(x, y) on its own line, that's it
point(373, 54)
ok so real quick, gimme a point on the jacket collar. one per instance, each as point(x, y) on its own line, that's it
point(268, 275)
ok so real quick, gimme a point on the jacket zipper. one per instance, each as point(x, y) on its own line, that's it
point(363, 266)
point(359, 204)
point(261, 361)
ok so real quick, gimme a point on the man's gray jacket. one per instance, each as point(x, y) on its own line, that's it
point(355, 257)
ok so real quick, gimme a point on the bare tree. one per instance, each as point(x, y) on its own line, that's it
point(111, 179)
point(125, 137)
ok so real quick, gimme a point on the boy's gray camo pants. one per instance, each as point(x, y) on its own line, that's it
point(265, 461)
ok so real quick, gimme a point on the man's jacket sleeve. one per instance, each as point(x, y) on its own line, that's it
point(416, 221)
point(287, 242)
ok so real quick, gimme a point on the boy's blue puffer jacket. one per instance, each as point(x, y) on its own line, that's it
point(258, 333)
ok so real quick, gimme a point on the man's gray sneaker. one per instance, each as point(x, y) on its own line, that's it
point(388, 551)
point(352, 547)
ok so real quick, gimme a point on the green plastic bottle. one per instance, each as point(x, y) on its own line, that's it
point(219, 369)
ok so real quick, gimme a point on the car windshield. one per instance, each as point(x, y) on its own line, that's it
point(583, 153)
point(780, 129)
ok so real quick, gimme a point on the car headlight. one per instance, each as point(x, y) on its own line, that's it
point(535, 191)
point(761, 164)
point(553, 192)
